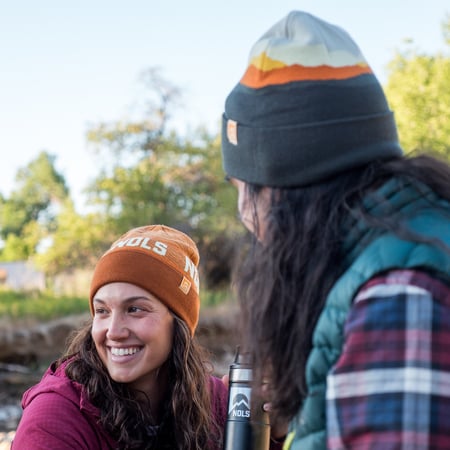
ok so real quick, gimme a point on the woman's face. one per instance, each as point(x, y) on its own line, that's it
point(133, 334)
point(247, 208)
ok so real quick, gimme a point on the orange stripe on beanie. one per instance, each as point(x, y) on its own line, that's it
point(159, 259)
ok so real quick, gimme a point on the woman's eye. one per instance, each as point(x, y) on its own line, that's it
point(99, 311)
point(133, 309)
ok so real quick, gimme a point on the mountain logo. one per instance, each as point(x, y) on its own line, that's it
point(240, 407)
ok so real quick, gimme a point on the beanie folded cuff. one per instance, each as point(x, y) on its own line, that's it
point(157, 277)
point(299, 155)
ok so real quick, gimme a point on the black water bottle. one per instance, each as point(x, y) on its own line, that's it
point(247, 426)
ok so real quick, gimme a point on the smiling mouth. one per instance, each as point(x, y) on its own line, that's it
point(124, 351)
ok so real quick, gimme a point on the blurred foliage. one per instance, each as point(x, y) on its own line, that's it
point(39, 306)
point(43, 307)
point(153, 175)
point(419, 94)
point(30, 213)
point(77, 242)
point(147, 174)
point(214, 297)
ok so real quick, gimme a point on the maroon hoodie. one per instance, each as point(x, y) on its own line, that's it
point(58, 415)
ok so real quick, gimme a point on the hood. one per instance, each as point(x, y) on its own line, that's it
point(56, 381)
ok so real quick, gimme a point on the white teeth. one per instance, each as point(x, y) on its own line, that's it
point(124, 351)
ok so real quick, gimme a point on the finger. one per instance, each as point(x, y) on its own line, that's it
point(226, 380)
point(267, 407)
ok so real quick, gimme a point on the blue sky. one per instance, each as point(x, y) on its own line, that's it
point(67, 65)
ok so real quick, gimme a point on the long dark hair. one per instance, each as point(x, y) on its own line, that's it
point(188, 422)
point(283, 282)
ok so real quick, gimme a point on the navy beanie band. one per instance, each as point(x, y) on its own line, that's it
point(307, 108)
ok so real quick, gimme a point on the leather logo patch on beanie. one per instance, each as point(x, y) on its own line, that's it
point(159, 259)
point(185, 285)
point(232, 131)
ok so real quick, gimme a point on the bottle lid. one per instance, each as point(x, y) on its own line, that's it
point(241, 369)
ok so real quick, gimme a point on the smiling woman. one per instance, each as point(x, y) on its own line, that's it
point(133, 334)
point(134, 377)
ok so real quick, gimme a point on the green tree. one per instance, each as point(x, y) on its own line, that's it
point(16, 248)
point(418, 91)
point(156, 176)
point(77, 242)
point(29, 214)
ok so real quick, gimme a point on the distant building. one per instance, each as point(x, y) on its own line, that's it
point(21, 276)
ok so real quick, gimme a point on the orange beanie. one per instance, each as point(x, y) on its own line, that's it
point(159, 259)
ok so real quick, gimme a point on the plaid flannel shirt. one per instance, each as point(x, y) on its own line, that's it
point(390, 388)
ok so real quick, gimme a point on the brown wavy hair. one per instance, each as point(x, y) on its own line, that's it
point(282, 283)
point(188, 422)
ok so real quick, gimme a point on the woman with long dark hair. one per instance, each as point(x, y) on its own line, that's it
point(134, 377)
point(346, 290)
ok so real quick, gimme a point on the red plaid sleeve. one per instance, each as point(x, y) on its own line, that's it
point(390, 388)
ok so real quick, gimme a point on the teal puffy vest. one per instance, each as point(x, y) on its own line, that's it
point(386, 252)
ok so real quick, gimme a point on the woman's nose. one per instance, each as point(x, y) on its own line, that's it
point(117, 327)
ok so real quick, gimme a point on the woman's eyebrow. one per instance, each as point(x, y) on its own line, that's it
point(126, 300)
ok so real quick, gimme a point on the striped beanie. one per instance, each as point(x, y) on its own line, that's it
point(159, 259)
point(307, 108)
